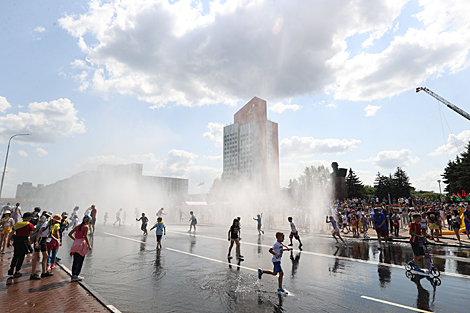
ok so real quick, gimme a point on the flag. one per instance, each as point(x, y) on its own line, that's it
point(389, 202)
point(200, 184)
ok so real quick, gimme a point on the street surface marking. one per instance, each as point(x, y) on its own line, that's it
point(395, 304)
point(330, 256)
point(191, 254)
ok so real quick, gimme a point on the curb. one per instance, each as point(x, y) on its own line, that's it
point(94, 293)
point(405, 240)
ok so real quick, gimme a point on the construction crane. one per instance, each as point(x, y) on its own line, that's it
point(447, 103)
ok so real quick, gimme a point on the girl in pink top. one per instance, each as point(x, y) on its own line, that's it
point(81, 245)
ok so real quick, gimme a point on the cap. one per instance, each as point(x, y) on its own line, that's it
point(28, 215)
point(376, 210)
point(87, 216)
point(331, 216)
point(7, 212)
point(57, 217)
point(65, 214)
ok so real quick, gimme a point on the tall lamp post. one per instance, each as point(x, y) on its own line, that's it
point(440, 193)
point(6, 160)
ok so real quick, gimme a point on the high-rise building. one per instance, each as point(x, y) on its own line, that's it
point(251, 146)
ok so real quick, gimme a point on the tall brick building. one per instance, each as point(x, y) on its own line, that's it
point(251, 146)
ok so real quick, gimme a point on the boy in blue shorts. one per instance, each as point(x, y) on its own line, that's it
point(276, 250)
point(161, 230)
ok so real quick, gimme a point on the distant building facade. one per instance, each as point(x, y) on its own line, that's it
point(111, 186)
point(251, 146)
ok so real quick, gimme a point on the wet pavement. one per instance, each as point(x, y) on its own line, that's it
point(191, 274)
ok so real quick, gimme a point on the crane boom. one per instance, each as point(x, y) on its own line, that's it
point(447, 103)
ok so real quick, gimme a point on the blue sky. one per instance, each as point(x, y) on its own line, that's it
point(154, 82)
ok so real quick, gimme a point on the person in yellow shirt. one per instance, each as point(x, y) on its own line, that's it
point(6, 225)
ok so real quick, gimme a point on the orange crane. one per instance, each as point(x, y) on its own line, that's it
point(447, 103)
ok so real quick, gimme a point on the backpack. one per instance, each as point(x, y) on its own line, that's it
point(35, 232)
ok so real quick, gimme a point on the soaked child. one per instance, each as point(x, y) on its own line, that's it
point(258, 219)
point(294, 233)
point(234, 237)
point(276, 250)
point(144, 220)
point(335, 232)
point(161, 230)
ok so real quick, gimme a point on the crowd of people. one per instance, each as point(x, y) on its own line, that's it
point(41, 233)
point(358, 215)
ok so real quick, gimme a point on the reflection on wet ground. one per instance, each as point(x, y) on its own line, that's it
point(191, 273)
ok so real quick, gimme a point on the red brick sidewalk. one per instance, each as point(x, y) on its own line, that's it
point(50, 294)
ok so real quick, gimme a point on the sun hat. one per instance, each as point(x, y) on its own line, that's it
point(57, 217)
point(7, 212)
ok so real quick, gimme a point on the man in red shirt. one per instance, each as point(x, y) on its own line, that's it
point(416, 241)
point(93, 218)
point(20, 244)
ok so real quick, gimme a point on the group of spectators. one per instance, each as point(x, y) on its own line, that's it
point(358, 215)
point(40, 233)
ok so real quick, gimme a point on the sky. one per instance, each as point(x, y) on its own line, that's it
point(155, 81)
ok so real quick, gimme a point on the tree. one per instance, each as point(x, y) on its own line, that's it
point(457, 173)
point(401, 186)
point(354, 185)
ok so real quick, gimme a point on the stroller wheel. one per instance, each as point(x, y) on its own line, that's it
point(435, 272)
point(436, 282)
point(409, 275)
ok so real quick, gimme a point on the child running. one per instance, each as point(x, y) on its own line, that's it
point(294, 233)
point(335, 229)
point(276, 250)
point(144, 220)
point(234, 236)
point(161, 230)
point(258, 219)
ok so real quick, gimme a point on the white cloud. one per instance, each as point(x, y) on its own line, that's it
point(301, 147)
point(428, 181)
point(371, 109)
point(215, 133)
point(4, 105)
point(41, 152)
point(39, 29)
point(331, 105)
point(454, 144)
point(280, 107)
point(46, 121)
point(22, 153)
point(213, 158)
point(442, 45)
point(392, 159)
point(178, 54)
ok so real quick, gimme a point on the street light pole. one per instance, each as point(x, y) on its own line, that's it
point(6, 159)
point(440, 193)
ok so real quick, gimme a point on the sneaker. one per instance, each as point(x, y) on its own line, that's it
point(260, 272)
point(417, 268)
point(53, 265)
point(280, 290)
point(46, 274)
point(48, 268)
point(35, 277)
point(229, 257)
point(10, 271)
point(458, 242)
point(58, 260)
point(17, 274)
point(290, 245)
point(79, 278)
